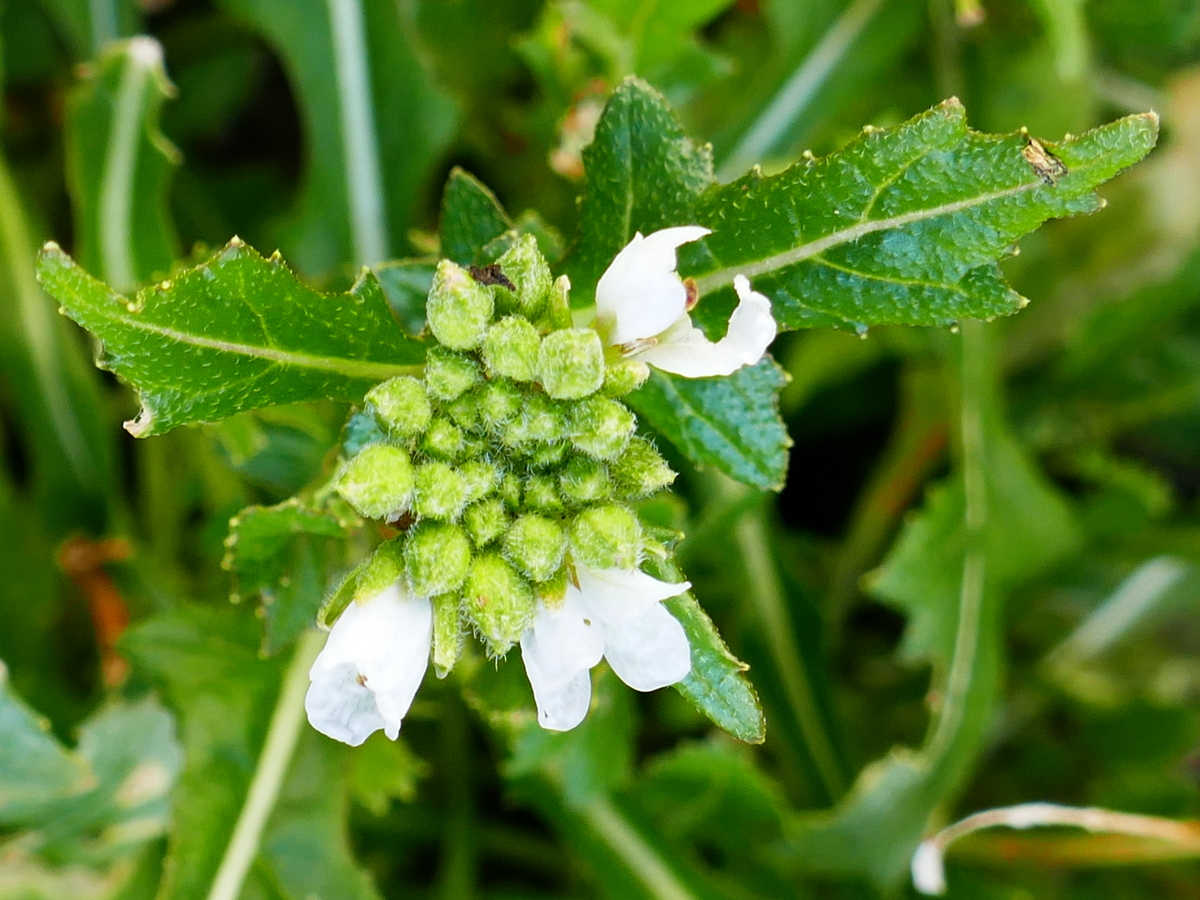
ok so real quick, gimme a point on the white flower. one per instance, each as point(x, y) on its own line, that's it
point(616, 614)
point(642, 307)
point(371, 666)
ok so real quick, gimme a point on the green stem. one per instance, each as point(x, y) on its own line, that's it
point(608, 824)
point(106, 27)
point(766, 593)
point(456, 872)
point(282, 735)
point(360, 146)
point(798, 91)
point(142, 56)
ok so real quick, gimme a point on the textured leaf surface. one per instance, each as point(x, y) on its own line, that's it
point(471, 218)
point(286, 555)
point(729, 423)
point(235, 333)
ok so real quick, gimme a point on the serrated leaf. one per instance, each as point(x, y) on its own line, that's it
point(729, 423)
point(717, 684)
point(902, 225)
point(471, 217)
point(235, 333)
point(287, 555)
point(119, 164)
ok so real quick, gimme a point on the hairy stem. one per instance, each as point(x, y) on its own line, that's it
point(282, 735)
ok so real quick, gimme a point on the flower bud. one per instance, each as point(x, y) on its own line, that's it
point(378, 482)
point(606, 537)
point(541, 494)
point(486, 520)
point(511, 349)
point(640, 471)
point(553, 590)
point(526, 268)
point(447, 634)
point(584, 481)
point(481, 478)
point(441, 492)
point(540, 422)
point(498, 601)
point(443, 439)
point(499, 402)
point(624, 376)
point(535, 545)
point(510, 490)
point(459, 309)
point(549, 456)
point(559, 311)
point(601, 427)
point(449, 375)
point(571, 363)
point(382, 568)
point(401, 406)
point(436, 558)
point(464, 411)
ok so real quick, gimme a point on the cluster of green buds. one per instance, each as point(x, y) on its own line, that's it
point(508, 463)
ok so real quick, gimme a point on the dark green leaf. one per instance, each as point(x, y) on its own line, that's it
point(471, 218)
point(287, 555)
point(729, 423)
point(406, 285)
point(119, 165)
point(237, 332)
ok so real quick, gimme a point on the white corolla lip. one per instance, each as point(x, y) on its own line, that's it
point(366, 676)
point(639, 295)
point(641, 307)
point(616, 614)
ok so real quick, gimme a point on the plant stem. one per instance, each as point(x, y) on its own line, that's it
point(798, 91)
point(142, 56)
point(282, 735)
point(456, 871)
point(106, 27)
point(360, 147)
point(619, 833)
point(767, 594)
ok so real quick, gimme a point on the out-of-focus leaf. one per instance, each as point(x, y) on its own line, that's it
point(384, 771)
point(87, 26)
point(406, 285)
point(730, 423)
point(235, 333)
point(471, 218)
point(208, 664)
point(1027, 528)
point(287, 555)
point(119, 163)
point(409, 120)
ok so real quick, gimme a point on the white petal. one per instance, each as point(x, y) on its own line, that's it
point(383, 643)
point(928, 871)
point(341, 708)
point(620, 596)
point(562, 642)
point(639, 295)
point(684, 350)
point(563, 707)
point(650, 652)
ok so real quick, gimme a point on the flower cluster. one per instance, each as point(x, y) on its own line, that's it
point(509, 470)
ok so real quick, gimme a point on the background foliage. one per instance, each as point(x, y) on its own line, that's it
point(1053, 451)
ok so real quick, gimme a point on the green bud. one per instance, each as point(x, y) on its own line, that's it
point(541, 494)
point(606, 537)
point(526, 268)
point(509, 490)
point(584, 481)
point(553, 590)
point(401, 406)
point(443, 439)
point(486, 520)
point(343, 595)
point(459, 309)
point(535, 545)
point(540, 422)
point(511, 349)
point(601, 427)
point(378, 482)
point(436, 558)
point(549, 456)
point(571, 363)
point(500, 401)
point(382, 569)
point(441, 492)
point(447, 634)
point(498, 601)
point(481, 478)
point(464, 411)
point(623, 376)
point(449, 375)
point(559, 312)
point(640, 471)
